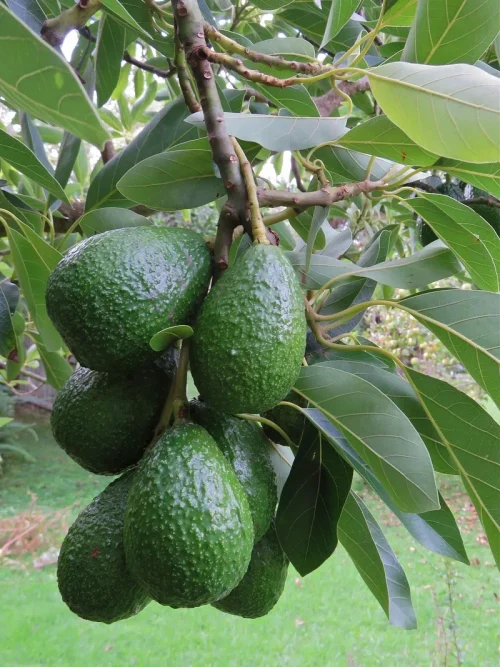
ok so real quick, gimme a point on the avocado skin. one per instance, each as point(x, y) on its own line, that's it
point(490, 213)
point(91, 572)
point(250, 335)
point(105, 421)
point(112, 292)
point(246, 447)
point(292, 421)
point(188, 528)
point(262, 586)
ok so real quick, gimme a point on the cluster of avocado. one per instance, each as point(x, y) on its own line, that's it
point(190, 521)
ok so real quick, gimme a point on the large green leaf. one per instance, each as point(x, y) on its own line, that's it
point(29, 11)
point(452, 31)
point(379, 136)
point(472, 438)
point(9, 298)
point(346, 166)
point(378, 431)
point(279, 133)
point(434, 262)
point(311, 503)
point(468, 323)
point(452, 111)
point(467, 234)
point(57, 368)
point(295, 99)
point(103, 219)
point(401, 13)
point(436, 530)
point(402, 394)
point(483, 176)
point(110, 47)
point(302, 223)
point(163, 131)
point(289, 47)
point(22, 158)
point(42, 83)
point(120, 12)
point(339, 14)
point(182, 177)
point(376, 562)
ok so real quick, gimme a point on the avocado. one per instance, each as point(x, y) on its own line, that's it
point(247, 449)
point(104, 421)
point(490, 213)
point(188, 528)
point(249, 338)
point(292, 421)
point(262, 586)
point(112, 292)
point(91, 572)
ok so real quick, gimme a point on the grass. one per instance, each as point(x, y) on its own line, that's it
point(326, 619)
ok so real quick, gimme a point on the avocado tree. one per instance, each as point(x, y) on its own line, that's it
point(283, 116)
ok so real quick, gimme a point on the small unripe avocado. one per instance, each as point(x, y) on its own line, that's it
point(112, 292)
point(104, 421)
point(249, 338)
point(247, 449)
point(262, 586)
point(92, 575)
point(188, 528)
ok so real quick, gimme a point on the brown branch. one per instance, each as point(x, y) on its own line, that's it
point(278, 62)
point(184, 81)
point(296, 174)
point(54, 30)
point(108, 152)
point(487, 201)
point(190, 33)
point(331, 100)
point(238, 66)
point(163, 73)
point(324, 197)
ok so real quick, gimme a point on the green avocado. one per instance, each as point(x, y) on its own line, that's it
point(247, 449)
point(104, 421)
point(249, 339)
point(292, 421)
point(112, 292)
point(188, 528)
point(262, 586)
point(91, 572)
point(490, 213)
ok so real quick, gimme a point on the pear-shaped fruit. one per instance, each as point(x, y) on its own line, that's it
point(247, 449)
point(249, 338)
point(112, 292)
point(262, 586)
point(92, 575)
point(188, 528)
point(104, 421)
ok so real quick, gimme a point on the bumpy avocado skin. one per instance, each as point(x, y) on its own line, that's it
point(262, 586)
point(292, 421)
point(188, 528)
point(92, 574)
point(249, 338)
point(104, 421)
point(112, 292)
point(247, 449)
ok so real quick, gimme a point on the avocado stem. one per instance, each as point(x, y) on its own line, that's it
point(179, 398)
point(271, 424)
point(258, 227)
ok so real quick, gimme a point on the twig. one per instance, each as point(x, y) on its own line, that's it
point(238, 66)
point(324, 197)
point(163, 73)
point(258, 228)
point(332, 100)
point(296, 175)
point(184, 81)
point(487, 201)
point(108, 152)
point(28, 374)
point(54, 30)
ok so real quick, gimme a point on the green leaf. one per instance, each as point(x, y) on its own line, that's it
point(452, 111)
point(103, 219)
point(401, 14)
point(32, 270)
point(434, 262)
point(295, 99)
point(378, 431)
point(467, 234)
point(33, 140)
point(402, 395)
point(347, 166)
point(30, 13)
point(311, 22)
point(117, 9)
point(339, 14)
point(57, 369)
point(110, 47)
point(472, 438)
point(452, 31)
point(311, 503)
point(302, 223)
point(436, 530)
point(163, 339)
point(379, 136)
point(467, 322)
point(290, 47)
point(177, 179)
point(376, 562)
point(24, 160)
point(43, 84)
point(319, 216)
point(9, 298)
point(163, 131)
point(279, 133)
point(483, 176)
point(68, 153)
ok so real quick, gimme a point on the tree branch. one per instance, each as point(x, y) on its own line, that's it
point(163, 73)
point(324, 197)
point(238, 66)
point(332, 100)
point(54, 30)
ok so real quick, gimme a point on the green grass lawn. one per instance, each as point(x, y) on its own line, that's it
point(328, 618)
